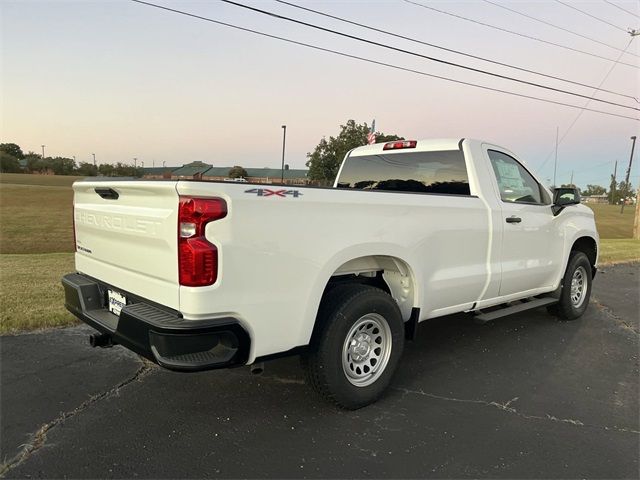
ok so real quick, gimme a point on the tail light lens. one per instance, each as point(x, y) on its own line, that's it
point(197, 257)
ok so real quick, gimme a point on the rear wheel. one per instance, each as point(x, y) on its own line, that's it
point(576, 288)
point(357, 345)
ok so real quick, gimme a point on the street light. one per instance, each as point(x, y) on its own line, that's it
point(284, 140)
point(135, 162)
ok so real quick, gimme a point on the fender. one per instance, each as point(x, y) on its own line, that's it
point(342, 257)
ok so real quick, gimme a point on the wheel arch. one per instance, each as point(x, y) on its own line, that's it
point(589, 246)
point(390, 272)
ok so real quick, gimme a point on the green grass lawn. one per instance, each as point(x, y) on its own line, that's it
point(36, 219)
point(31, 296)
point(42, 180)
point(611, 223)
point(618, 250)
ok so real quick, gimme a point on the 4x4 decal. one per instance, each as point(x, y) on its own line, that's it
point(265, 192)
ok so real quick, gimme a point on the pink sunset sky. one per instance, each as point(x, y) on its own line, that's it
point(123, 80)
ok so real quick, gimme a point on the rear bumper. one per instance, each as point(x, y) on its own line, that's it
point(155, 332)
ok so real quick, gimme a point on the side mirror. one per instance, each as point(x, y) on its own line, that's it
point(563, 197)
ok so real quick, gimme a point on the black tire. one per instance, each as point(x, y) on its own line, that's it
point(342, 309)
point(566, 308)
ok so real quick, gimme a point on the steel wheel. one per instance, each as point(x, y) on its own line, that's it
point(578, 286)
point(366, 350)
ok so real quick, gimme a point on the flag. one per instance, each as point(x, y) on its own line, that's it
point(371, 136)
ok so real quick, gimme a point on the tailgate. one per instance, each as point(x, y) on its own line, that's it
point(126, 236)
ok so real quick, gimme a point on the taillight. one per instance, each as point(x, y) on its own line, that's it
point(400, 144)
point(197, 257)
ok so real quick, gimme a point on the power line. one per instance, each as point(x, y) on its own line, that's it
point(393, 34)
point(623, 9)
point(589, 15)
point(537, 39)
point(376, 62)
point(544, 22)
point(575, 120)
point(416, 54)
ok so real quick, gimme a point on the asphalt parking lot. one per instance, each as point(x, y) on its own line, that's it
point(523, 397)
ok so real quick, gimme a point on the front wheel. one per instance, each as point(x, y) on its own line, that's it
point(357, 345)
point(576, 288)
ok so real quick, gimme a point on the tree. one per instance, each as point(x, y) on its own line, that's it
point(326, 158)
point(12, 149)
point(34, 162)
point(105, 169)
point(237, 172)
point(9, 163)
point(124, 170)
point(594, 190)
point(624, 192)
point(612, 191)
point(87, 169)
point(61, 165)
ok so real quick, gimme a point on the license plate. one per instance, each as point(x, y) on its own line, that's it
point(116, 301)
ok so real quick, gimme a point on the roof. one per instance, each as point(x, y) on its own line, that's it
point(191, 169)
point(258, 172)
point(157, 170)
point(422, 146)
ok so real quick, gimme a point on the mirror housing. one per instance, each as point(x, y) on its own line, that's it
point(563, 197)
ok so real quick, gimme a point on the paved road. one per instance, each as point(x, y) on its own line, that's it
point(524, 397)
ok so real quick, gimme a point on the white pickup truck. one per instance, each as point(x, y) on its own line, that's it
point(197, 275)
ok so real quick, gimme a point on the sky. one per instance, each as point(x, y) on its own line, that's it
point(124, 80)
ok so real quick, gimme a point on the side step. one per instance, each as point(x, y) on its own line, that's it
point(517, 308)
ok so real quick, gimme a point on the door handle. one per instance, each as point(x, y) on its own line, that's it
point(513, 219)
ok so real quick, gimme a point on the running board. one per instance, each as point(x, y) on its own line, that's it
point(517, 308)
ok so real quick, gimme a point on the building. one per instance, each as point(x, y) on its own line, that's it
point(205, 171)
point(262, 175)
point(158, 172)
point(193, 170)
point(603, 198)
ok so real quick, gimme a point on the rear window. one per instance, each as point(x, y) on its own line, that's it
point(442, 172)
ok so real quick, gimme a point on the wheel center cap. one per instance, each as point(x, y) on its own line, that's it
point(360, 347)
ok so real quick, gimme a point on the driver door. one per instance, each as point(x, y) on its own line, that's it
point(532, 245)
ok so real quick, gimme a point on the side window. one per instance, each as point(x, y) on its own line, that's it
point(515, 183)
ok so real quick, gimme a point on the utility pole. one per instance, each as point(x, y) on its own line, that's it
point(571, 181)
point(555, 163)
point(284, 140)
point(614, 183)
point(43, 151)
point(94, 159)
point(626, 182)
point(163, 162)
point(636, 221)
